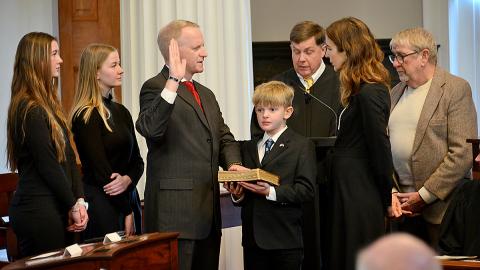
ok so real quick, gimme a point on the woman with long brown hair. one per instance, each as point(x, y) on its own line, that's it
point(48, 201)
point(360, 179)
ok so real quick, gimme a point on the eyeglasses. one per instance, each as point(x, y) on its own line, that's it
point(400, 58)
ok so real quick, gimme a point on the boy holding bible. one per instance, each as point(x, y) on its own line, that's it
point(272, 215)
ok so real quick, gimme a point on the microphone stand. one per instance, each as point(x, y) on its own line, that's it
point(309, 95)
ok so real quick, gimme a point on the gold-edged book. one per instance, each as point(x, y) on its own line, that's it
point(250, 175)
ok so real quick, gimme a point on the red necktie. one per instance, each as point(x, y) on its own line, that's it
point(194, 92)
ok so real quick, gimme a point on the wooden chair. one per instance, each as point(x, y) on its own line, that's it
point(475, 151)
point(8, 240)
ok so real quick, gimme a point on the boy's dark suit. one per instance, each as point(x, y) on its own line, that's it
point(277, 224)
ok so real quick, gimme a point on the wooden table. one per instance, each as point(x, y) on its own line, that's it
point(451, 265)
point(147, 251)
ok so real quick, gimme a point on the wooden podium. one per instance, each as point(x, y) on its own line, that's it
point(457, 265)
point(147, 251)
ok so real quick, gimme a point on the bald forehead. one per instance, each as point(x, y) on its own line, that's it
point(189, 32)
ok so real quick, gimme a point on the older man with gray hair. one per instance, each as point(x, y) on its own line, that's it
point(398, 251)
point(432, 116)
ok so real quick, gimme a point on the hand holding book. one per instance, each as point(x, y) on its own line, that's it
point(235, 189)
point(260, 187)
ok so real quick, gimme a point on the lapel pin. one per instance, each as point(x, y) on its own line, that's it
point(282, 145)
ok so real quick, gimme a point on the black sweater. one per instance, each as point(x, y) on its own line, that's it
point(103, 152)
point(40, 174)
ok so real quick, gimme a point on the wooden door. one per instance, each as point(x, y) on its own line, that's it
point(82, 22)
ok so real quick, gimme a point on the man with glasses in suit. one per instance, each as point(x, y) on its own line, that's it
point(432, 116)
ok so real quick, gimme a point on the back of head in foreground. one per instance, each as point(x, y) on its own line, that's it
point(398, 251)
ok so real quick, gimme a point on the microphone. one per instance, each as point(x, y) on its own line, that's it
point(308, 96)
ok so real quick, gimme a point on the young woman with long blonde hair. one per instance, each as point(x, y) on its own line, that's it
point(106, 143)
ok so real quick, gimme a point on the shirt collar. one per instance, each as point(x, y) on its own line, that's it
point(274, 137)
point(315, 75)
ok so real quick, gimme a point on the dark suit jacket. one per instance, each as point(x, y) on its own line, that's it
point(185, 148)
point(459, 229)
point(310, 118)
point(277, 224)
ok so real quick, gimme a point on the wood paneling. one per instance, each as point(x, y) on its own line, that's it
point(82, 22)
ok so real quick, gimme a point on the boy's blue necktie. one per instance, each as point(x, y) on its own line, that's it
point(268, 147)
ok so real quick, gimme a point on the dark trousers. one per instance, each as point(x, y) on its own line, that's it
point(418, 227)
point(39, 225)
point(256, 258)
point(199, 254)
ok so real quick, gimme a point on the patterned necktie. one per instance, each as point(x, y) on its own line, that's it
point(309, 82)
point(193, 91)
point(268, 147)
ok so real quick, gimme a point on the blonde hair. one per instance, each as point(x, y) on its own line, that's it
point(171, 30)
point(417, 39)
point(33, 85)
point(88, 95)
point(273, 93)
point(364, 56)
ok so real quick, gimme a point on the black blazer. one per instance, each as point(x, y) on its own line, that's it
point(360, 176)
point(277, 224)
point(185, 148)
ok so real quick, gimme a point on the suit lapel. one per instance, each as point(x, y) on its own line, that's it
point(434, 95)
point(278, 148)
point(252, 149)
point(185, 95)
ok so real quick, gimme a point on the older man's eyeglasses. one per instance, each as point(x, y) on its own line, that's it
point(400, 58)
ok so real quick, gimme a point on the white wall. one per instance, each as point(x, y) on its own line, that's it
point(435, 20)
point(272, 20)
point(18, 17)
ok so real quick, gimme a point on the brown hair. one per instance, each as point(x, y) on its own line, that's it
point(364, 56)
point(171, 30)
point(305, 30)
point(33, 86)
point(273, 93)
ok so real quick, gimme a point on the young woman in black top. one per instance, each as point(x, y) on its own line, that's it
point(48, 202)
point(106, 143)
